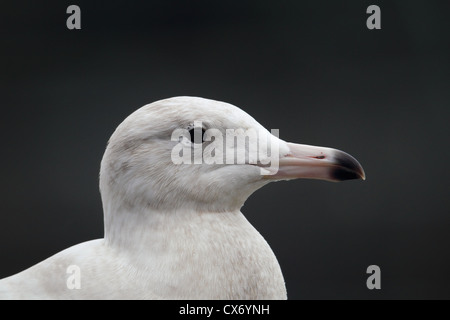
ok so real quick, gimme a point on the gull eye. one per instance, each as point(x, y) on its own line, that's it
point(197, 135)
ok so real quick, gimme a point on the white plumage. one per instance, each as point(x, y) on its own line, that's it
point(176, 231)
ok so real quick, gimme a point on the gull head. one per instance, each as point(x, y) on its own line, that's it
point(205, 155)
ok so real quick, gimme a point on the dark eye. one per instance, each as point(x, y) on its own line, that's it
point(197, 134)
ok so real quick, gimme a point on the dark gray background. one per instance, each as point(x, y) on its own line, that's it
point(309, 68)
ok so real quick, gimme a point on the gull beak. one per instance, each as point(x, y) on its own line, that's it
point(310, 162)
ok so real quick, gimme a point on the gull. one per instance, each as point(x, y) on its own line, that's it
point(175, 230)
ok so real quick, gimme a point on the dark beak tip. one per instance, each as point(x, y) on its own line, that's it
point(347, 168)
point(342, 174)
